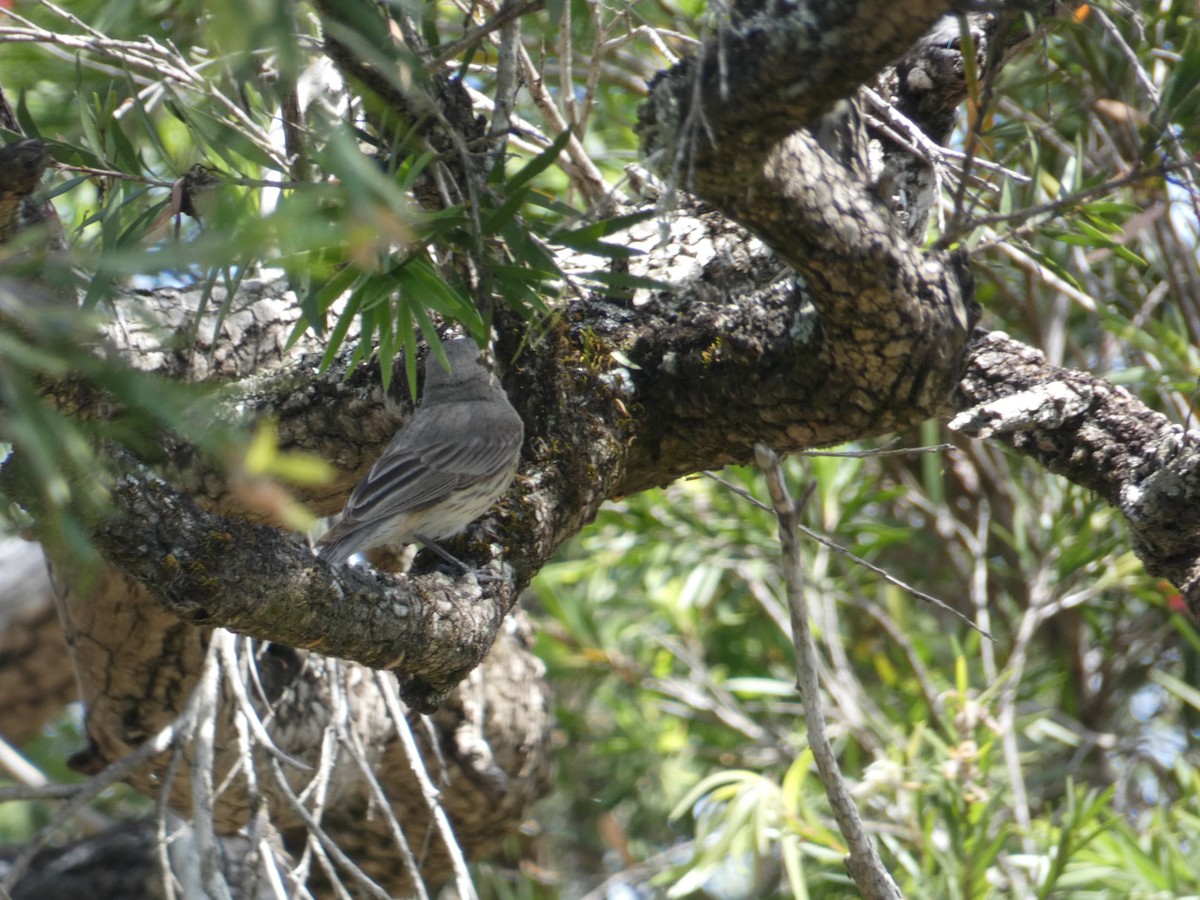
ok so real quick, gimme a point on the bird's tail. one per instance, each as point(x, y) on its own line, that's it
point(337, 544)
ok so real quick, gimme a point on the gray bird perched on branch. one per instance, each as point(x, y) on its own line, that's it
point(444, 468)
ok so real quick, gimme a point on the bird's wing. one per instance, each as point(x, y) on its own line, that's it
point(428, 460)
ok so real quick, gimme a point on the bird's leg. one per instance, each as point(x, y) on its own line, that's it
point(444, 554)
point(453, 560)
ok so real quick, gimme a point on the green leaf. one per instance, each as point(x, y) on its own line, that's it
point(425, 286)
point(589, 234)
point(517, 187)
point(625, 280)
point(539, 163)
point(338, 335)
point(148, 126)
point(341, 282)
point(1181, 93)
point(216, 135)
point(408, 339)
point(1102, 224)
point(602, 248)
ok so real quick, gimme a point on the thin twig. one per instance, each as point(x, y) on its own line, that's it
point(566, 70)
point(226, 641)
point(863, 862)
point(979, 593)
point(354, 746)
point(204, 734)
point(931, 151)
point(507, 85)
point(386, 683)
point(1031, 265)
point(507, 13)
point(244, 720)
point(838, 548)
point(109, 776)
point(1006, 702)
point(164, 64)
point(324, 842)
point(36, 786)
point(991, 65)
point(167, 825)
point(588, 178)
point(38, 792)
point(318, 789)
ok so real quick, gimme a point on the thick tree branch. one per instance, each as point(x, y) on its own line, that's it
point(265, 583)
point(1098, 436)
point(893, 320)
point(758, 79)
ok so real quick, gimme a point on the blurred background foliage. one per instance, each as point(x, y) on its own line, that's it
point(1059, 759)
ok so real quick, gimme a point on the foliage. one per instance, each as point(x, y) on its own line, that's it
point(669, 641)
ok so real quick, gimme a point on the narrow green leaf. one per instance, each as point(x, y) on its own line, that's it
point(539, 163)
point(419, 277)
point(603, 248)
point(1098, 220)
point(601, 229)
point(338, 335)
point(387, 343)
point(505, 213)
point(408, 339)
point(144, 117)
point(341, 282)
point(625, 280)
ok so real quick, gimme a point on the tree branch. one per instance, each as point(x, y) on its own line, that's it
point(1098, 436)
point(758, 79)
point(265, 583)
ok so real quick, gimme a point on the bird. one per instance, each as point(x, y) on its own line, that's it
point(444, 468)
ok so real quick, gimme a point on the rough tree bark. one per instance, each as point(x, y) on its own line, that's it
point(800, 314)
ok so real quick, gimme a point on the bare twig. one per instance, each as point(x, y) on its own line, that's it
point(227, 642)
point(982, 91)
point(507, 85)
point(931, 151)
point(582, 170)
point(109, 776)
point(358, 753)
point(863, 860)
point(323, 842)
point(1024, 261)
point(839, 549)
point(38, 792)
point(505, 15)
point(566, 70)
point(164, 65)
point(204, 733)
point(979, 593)
point(166, 825)
point(36, 786)
point(391, 695)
